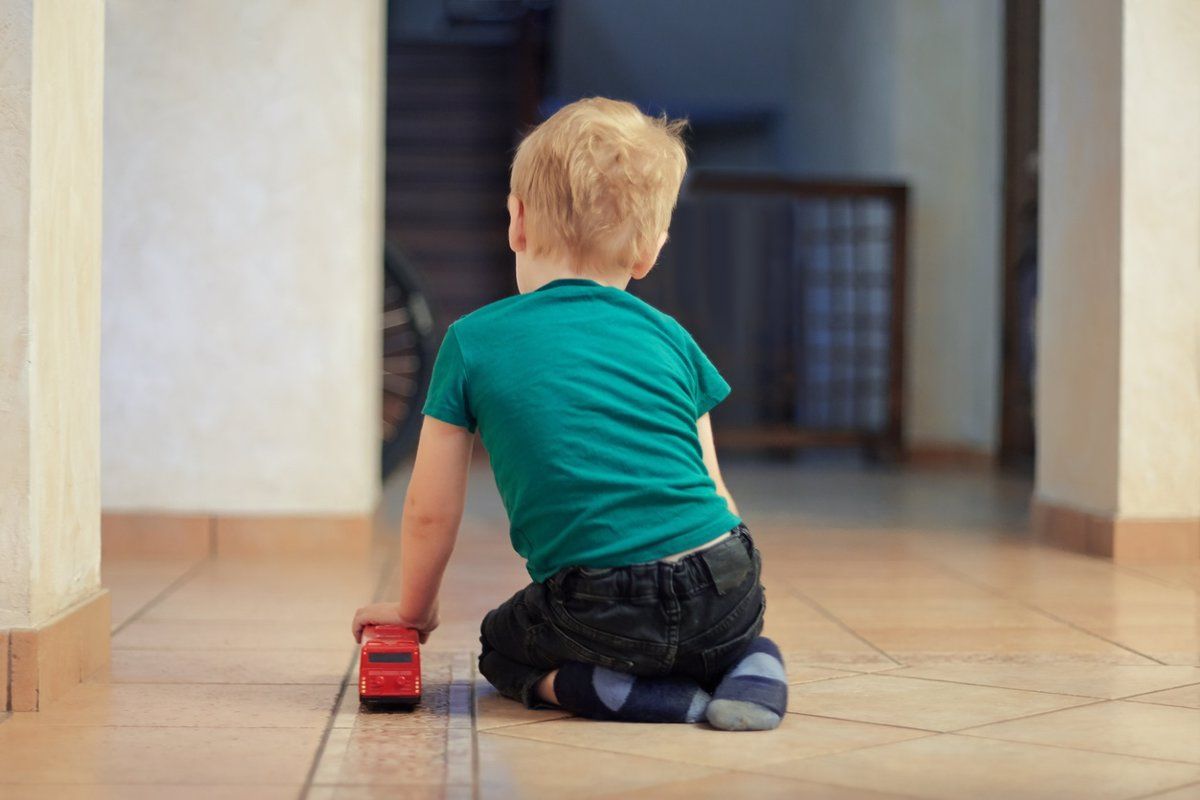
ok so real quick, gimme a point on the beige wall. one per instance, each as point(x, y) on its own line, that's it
point(1078, 309)
point(948, 95)
point(1160, 255)
point(50, 190)
point(912, 90)
point(1119, 323)
point(242, 256)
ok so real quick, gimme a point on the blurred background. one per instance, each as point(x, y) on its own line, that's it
point(845, 192)
point(947, 253)
point(854, 247)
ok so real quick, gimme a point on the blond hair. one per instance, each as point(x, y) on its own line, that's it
point(599, 180)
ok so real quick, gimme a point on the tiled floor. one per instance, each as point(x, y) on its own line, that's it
point(933, 651)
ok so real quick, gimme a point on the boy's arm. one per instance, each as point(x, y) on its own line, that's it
point(709, 450)
point(433, 508)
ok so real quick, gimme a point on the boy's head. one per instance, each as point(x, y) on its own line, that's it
point(594, 186)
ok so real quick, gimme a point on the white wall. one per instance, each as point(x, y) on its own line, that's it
point(908, 90)
point(242, 242)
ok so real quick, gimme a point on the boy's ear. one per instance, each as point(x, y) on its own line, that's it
point(516, 224)
point(642, 267)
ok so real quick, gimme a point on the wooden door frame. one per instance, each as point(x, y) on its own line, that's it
point(1022, 77)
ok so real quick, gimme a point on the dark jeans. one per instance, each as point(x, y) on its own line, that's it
point(692, 618)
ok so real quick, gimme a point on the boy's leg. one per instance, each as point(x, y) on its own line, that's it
point(597, 692)
point(507, 659)
point(520, 659)
point(545, 688)
point(753, 694)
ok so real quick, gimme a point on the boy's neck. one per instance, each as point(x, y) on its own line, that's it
point(534, 274)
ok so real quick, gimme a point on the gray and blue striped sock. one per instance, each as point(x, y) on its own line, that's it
point(753, 694)
point(601, 693)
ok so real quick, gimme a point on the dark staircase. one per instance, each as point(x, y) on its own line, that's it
point(455, 108)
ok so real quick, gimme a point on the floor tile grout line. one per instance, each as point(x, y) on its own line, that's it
point(215, 788)
point(823, 611)
point(776, 762)
point(170, 589)
point(1012, 689)
point(826, 781)
point(528, 722)
point(461, 703)
point(1023, 717)
point(110, 682)
point(474, 677)
point(226, 620)
point(385, 573)
point(1157, 705)
point(43, 724)
point(987, 738)
point(865, 722)
point(328, 730)
point(1133, 697)
point(925, 734)
point(964, 730)
point(1038, 609)
point(675, 761)
point(1163, 792)
point(255, 648)
point(1195, 764)
point(1129, 569)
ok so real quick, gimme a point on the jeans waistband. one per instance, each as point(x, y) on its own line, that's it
point(722, 566)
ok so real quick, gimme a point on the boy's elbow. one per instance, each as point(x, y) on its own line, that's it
point(429, 517)
point(431, 520)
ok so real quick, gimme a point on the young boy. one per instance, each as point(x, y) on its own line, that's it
point(593, 407)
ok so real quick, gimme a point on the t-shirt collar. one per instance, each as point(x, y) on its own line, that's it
point(568, 282)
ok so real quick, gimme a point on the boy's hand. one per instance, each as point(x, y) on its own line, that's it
point(389, 614)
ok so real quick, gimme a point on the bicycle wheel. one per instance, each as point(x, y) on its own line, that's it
point(407, 358)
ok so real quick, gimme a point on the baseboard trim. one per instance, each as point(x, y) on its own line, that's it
point(948, 456)
point(44, 663)
point(198, 536)
point(157, 534)
point(1117, 538)
point(302, 536)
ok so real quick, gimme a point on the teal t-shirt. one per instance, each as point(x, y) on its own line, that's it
point(587, 399)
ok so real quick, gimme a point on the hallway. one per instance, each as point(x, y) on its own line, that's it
point(933, 652)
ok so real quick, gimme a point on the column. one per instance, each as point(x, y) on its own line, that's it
point(1118, 379)
point(243, 247)
point(54, 619)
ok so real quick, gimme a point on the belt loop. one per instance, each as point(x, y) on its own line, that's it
point(726, 568)
point(556, 582)
point(712, 578)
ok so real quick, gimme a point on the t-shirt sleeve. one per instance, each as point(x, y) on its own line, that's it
point(448, 398)
point(711, 388)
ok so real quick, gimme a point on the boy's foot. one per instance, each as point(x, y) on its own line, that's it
point(601, 693)
point(753, 694)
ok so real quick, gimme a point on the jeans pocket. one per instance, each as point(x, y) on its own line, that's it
point(718, 658)
point(555, 644)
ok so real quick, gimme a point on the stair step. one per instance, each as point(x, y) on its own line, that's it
point(451, 118)
point(419, 136)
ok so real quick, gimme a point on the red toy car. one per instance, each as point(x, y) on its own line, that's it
point(389, 670)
